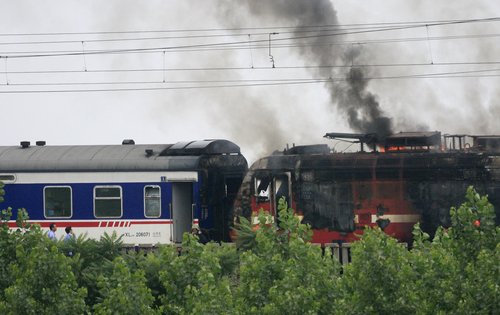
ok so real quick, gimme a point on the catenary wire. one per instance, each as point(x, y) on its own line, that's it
point(221, 44)
point(276, 46)
point(435, 64)
point(246, 28)
point(461, 74)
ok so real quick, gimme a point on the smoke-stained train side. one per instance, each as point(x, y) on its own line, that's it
point(147, 193)
point(411, 178)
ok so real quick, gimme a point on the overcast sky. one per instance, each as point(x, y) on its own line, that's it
point(258, 116)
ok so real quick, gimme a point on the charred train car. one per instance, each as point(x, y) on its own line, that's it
point(406, 178)
point(147, 193)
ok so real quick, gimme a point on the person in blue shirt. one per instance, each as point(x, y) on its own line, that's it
point(52, 232)
point(68, 237)
point(69, 233)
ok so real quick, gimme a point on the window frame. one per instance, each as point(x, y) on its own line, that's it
point(258, 178)
point(144, 200)
point(70, 200)
point(8, 181)
point(108, 198)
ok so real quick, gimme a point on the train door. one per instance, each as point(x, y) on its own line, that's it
point(231, 186)
point(182, 209)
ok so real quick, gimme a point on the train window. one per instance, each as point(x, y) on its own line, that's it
point(57, 202)
point(262, 188)
point(107, 201)
point(6, 178)
point(152, 202)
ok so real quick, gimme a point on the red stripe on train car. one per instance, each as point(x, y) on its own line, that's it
point(151, 222)
point(89, 224)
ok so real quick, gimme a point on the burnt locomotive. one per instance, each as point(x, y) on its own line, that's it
point(405, 178)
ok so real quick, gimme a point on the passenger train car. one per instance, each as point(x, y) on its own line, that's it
point(147, 193)
point(404, 179)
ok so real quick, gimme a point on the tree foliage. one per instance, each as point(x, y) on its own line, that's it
point(271, 269)
point(124, 292)
point(455, 273)
point(38, 278)
point(282, 272)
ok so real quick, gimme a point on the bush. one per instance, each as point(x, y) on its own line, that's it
point(124, 292)
point(272, 270)
point(44, 282)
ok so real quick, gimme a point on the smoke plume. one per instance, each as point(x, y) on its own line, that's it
point(352, 99)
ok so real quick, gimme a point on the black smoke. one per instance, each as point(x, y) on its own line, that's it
point(361, 107)
point(352, 98)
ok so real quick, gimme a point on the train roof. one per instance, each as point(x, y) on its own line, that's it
point(126, 157)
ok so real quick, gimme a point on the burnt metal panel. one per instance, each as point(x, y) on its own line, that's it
point(486, 143)
point(308, 149)
point(328, 205)
point(415, 139)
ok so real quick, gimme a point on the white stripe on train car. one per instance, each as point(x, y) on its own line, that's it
point(269, 219)
point(398, 218)
point(141, 231)
point(104, 177)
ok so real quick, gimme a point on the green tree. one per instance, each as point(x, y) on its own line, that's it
point(25, 235)
point(196, 279)
point(92, 259)
point(44, 282)
point(281, 273)
point(459, 271)
point(377, 281)
point(124, 292)
point(212, 292)
point(7, 251)
point(151, 265)
point(455, 273)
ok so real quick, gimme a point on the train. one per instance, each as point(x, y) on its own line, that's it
point(148, 194)
point(391, 182)
point(153, 194)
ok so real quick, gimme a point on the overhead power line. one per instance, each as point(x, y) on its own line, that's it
point(126, 39)
point(411, 64)
point(245, 42)
point(230, 85)
point(278, 45)
point(250, 83)
point(246, 29)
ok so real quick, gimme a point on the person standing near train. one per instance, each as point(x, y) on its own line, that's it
point(69, 233)
point(68, 237)
point(195, 230)
point(52, 232)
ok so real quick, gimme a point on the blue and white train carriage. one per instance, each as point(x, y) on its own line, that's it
point(148, 193)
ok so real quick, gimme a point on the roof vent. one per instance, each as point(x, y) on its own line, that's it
point(40, 143)
point(149, 152)
point(25, 144)
point(128, 141)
